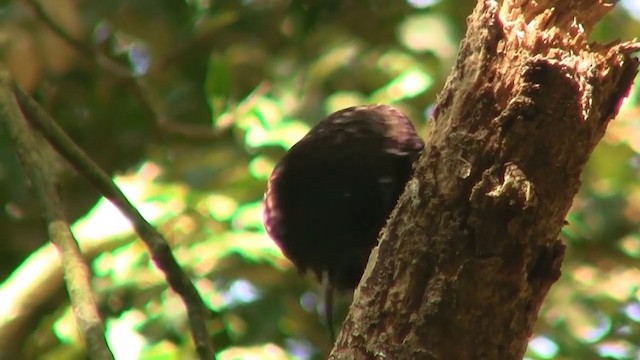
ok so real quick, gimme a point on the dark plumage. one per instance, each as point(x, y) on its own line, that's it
point(331, 194)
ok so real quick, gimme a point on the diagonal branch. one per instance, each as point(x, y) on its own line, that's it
point(155, 242)
point(39, 169)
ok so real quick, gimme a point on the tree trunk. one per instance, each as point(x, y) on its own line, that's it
point(472, 247)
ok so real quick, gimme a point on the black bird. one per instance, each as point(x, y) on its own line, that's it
point(332, 192)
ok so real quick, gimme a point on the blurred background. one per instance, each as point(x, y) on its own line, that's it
point(189, 104)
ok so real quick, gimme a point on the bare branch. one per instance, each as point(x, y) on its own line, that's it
point(38, 168)
point(160, 251)
point(36, 281)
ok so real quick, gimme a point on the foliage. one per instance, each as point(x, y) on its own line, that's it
point(222, 89)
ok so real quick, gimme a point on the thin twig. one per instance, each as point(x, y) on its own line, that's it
point(119, 71)
point(158, 247)
point(134, 84)
point(85, 49)
point(38, 168)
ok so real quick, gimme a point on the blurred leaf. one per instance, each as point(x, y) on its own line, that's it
point(220, 207)
point(284, 135)
point(409, 84)
point(218, 85)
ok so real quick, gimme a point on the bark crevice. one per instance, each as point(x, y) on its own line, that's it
point(472, 248)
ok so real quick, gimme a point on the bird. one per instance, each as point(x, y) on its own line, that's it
point(330, 195)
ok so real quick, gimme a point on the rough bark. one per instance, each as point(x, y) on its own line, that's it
point(472, 247)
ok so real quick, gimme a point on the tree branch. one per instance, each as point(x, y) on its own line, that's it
point(155, 242)
point(472, 247)
point(38, 168)
point(35, 282)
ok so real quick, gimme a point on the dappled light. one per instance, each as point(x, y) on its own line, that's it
point(213, 94)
